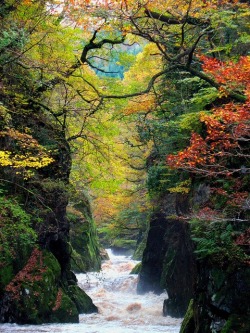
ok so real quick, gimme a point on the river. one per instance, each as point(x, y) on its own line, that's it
point(121, 310)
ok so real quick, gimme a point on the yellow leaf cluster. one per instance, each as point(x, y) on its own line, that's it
point(24, 161)
point(5, 158)
point(145, 103)
point(26, 152)
point(182, 187)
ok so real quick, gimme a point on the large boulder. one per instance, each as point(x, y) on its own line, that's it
point(168, 261)
point(36, 295)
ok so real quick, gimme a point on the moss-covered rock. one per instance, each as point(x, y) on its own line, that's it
point(82, 301)
point(168, 260)
point(140, 246)
point(136, 269)
point(64, 310)
point(85, 254)
point(31, 295)
point(187, 325)
point(221, 303)
point(17, 239)
point(36, 294)
point(85, 248)
point(122, 246)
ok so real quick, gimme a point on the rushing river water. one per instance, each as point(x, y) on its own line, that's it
point(121, 310)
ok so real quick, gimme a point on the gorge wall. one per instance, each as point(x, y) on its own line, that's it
point(221, 300)
point(205, 272)
point(37, 284)
point(168, 261)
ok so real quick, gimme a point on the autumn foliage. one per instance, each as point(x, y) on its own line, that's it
point(227, 127)
point(230, 74)
point(31, 272)
point(24, 152)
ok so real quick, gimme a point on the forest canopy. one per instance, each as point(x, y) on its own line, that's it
point(147, 94)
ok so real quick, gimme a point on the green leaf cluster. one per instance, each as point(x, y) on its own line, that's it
point(215, 242)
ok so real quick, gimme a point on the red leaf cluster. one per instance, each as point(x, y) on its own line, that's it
point(31, 272)
point(231, 74)
point(244, 238)
point(58, 301)
point(207, 214)
point(226, 128)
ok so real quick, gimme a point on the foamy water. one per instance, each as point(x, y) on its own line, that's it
point(120, 309)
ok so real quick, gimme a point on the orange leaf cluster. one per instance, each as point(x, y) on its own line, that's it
point(58, 301)
point(226, 128)
point(195, 154)
point(228, 73)
point(141, 104)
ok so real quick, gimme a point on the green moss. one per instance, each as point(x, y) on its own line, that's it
point(187, 325)
point(51, 263)
point(167, 266)
point(237, 323)
point(140, 248)
point(82, 301)
point(66, 311)
point(136, 269)
point(83, 238)
point(78, 265)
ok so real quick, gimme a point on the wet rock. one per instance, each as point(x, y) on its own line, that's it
point(85, 254)
point(168, 261)
point(64, 310)
point(221, 302)
point(82, 301)
point(104, 254)
point(136, 269)
point(37, 296)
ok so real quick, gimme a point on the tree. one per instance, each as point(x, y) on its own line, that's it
point(224, 148)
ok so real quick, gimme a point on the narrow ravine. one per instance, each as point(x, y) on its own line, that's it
point(121, 310)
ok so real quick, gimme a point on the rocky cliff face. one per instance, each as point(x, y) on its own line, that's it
point(168, 261)
point(40, 287)
point(85, 254)
point(221, 302)
point(212, 274)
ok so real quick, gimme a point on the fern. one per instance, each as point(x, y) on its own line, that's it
point(214, 241)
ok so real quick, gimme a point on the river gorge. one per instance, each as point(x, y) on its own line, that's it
point(120, 309)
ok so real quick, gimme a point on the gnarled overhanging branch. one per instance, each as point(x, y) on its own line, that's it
point(173, 21)
point(234, 95)
point(92, 45)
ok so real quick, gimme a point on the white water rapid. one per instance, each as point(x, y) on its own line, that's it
point(121, 310)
